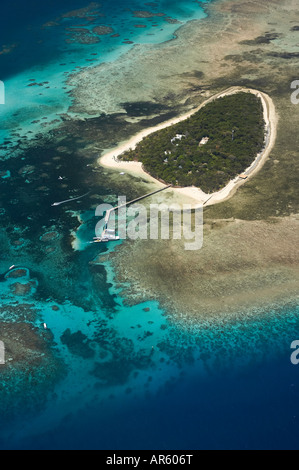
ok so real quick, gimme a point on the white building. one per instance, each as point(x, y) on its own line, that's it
point(204, 141)
point(177, 137)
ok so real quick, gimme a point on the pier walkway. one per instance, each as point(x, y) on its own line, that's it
point(109, 235)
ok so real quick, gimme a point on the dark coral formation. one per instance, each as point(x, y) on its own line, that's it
point(103, 30)
point(81, 36)
point(146, 14)
point(49, 236)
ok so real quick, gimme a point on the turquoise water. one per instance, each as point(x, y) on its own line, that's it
point(112, 376)
point(48, 98)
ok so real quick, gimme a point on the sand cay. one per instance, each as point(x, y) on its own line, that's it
point(196, 195)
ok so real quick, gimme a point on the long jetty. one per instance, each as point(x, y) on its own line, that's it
point(106, 234)
point(140, 198)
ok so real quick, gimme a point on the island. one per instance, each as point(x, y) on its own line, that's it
point(207, 153)
point(207, 150)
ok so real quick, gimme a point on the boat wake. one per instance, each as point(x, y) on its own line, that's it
point(70, 200)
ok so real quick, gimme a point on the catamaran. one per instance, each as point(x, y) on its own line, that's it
point(108, 235)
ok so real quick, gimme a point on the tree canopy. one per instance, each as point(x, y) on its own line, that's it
point(235, 131)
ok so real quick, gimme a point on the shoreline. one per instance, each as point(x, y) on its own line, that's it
point(110, 159)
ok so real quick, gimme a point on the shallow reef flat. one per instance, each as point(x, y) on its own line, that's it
point(30, 359)
point(243, 265)
point(249, 257)
point(184, 71)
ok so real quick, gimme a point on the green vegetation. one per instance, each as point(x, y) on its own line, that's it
point(235, 128)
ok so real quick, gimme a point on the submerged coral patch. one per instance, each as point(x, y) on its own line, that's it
point(49, 236)
point(146, 14)
point(30, 369)
point(19, 243)
point(103, 30)
point(81, 36)
point(27, 170)
point(7, 49)
point(50, 250)
point(18, 273)
point(5, 174)
point(24, 289)
point(88, 13)
point(78, 344)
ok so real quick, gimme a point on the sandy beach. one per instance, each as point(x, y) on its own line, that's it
point(196, 195)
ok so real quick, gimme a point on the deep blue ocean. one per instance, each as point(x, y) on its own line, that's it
point(116, 377)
